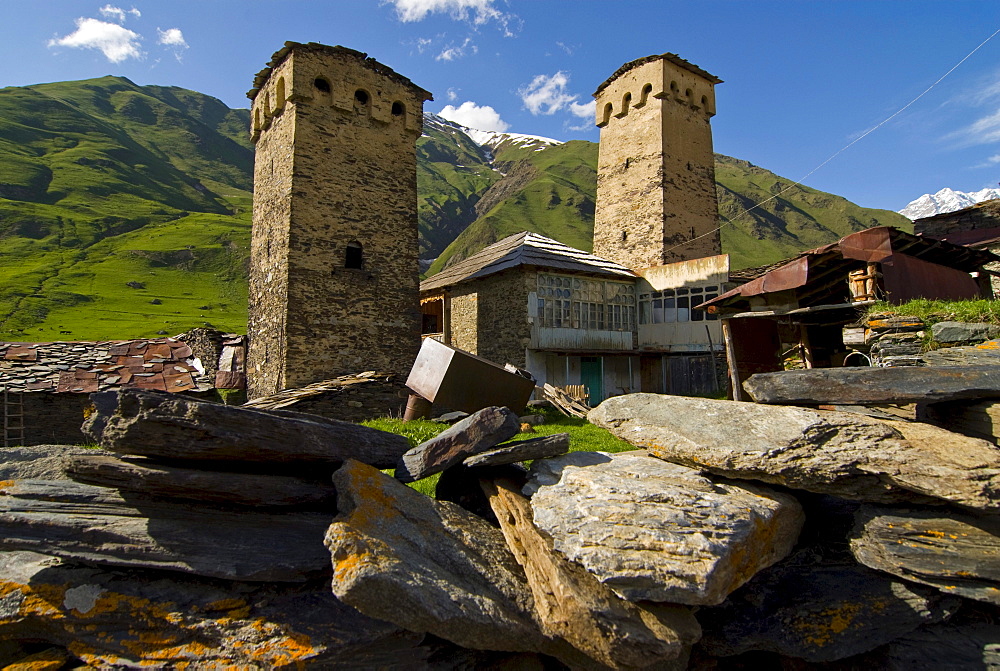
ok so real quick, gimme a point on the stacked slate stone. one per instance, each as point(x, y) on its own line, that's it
point(195, 537)
point(736, 535)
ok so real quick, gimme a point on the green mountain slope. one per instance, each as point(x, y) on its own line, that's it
point(551, 191)
point(125, 209)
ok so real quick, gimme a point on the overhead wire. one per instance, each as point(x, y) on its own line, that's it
point(837, 153)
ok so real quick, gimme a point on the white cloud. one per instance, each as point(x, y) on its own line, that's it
point(475, 116)
point(583, 110)
point(452, 94)
point(115, 42)
point(478, 12)
point(172, 37)
point(451, 53)
point(981, 131)
point(989, 162)
point(117, 13)
point(547, 94)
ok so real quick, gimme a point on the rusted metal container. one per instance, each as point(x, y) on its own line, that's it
point(451, 378)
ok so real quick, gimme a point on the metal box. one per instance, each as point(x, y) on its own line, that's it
point(459, 380)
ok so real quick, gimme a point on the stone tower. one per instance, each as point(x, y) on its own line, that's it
point(334, 275)
point(655, 171)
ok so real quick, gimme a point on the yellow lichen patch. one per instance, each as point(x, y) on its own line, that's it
point(342, 567)
point(933, 534)
point(990, 344)
point(225, 604)
point(820, 629)
point(39, 600)
point(281, 648)
point(5, 485)
point(50, 659)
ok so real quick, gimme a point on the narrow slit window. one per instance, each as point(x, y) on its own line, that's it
point(354, 256)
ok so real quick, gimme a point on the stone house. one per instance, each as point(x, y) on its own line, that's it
point(45, 387)
point(621, 319)
point(570, 317)
point(800, 308)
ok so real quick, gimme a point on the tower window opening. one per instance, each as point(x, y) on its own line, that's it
point(626, 102)
point(624, 236)
point(606, 117)
point(354, 256)
point(322, 85)
point(644, 94)
point(361, 96)
point(398, 109)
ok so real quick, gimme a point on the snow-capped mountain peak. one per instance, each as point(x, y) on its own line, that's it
point(946, 200)
point(489, 139)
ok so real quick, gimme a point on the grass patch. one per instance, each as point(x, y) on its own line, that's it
point(583, 437)
point(931, 312)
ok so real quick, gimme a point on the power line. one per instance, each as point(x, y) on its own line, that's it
point(840, 151)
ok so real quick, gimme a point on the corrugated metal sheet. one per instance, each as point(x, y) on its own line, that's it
point(580, 339)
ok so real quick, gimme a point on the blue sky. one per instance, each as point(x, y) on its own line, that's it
point(802, 79)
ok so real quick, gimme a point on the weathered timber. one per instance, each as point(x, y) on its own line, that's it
point(476, 433)
point(957, 554)
point(907, 384)
point(426, 565)
point(522, 450)
point(819, 612)
point(573, 605)
point(102, 526)
point(160, 481)
point(655, 531)
point(119, 618)
point(843, 454)
point(157, 424)
point(460, 485)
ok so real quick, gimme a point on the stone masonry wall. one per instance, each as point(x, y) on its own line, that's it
point(347, 168)
point(268, 281)
point(489, 316)
point(656, 171)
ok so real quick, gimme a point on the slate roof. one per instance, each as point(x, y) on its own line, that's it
point(525, 249)
point(165, 364)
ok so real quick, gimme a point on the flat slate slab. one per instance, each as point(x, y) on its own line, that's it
point(476, 433)
point(655, 531)
point(847, 386)
point(522, 450)
point(171, 426)
point(426, 565)
point(957, 554)
point(154, 480)
point(131, 619)
point(98, 525)
point(820, 612)
point(839, 453)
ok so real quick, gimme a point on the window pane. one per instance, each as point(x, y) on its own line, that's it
point(669, 310)
point(683, 309)
point(658, 311)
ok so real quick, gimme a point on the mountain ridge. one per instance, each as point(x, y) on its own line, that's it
point(946, 200)
point(125, 209)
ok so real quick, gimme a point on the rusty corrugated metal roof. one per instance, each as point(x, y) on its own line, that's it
point(166, 364)
point(873, 245)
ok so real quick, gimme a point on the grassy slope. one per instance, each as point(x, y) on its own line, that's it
point(103, 183)
point(560, 204)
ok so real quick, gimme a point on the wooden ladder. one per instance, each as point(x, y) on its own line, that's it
point(13, 419)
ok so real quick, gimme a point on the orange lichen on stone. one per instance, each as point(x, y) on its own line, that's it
point(820, 629)
point(989, 344)
point(49, 659)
